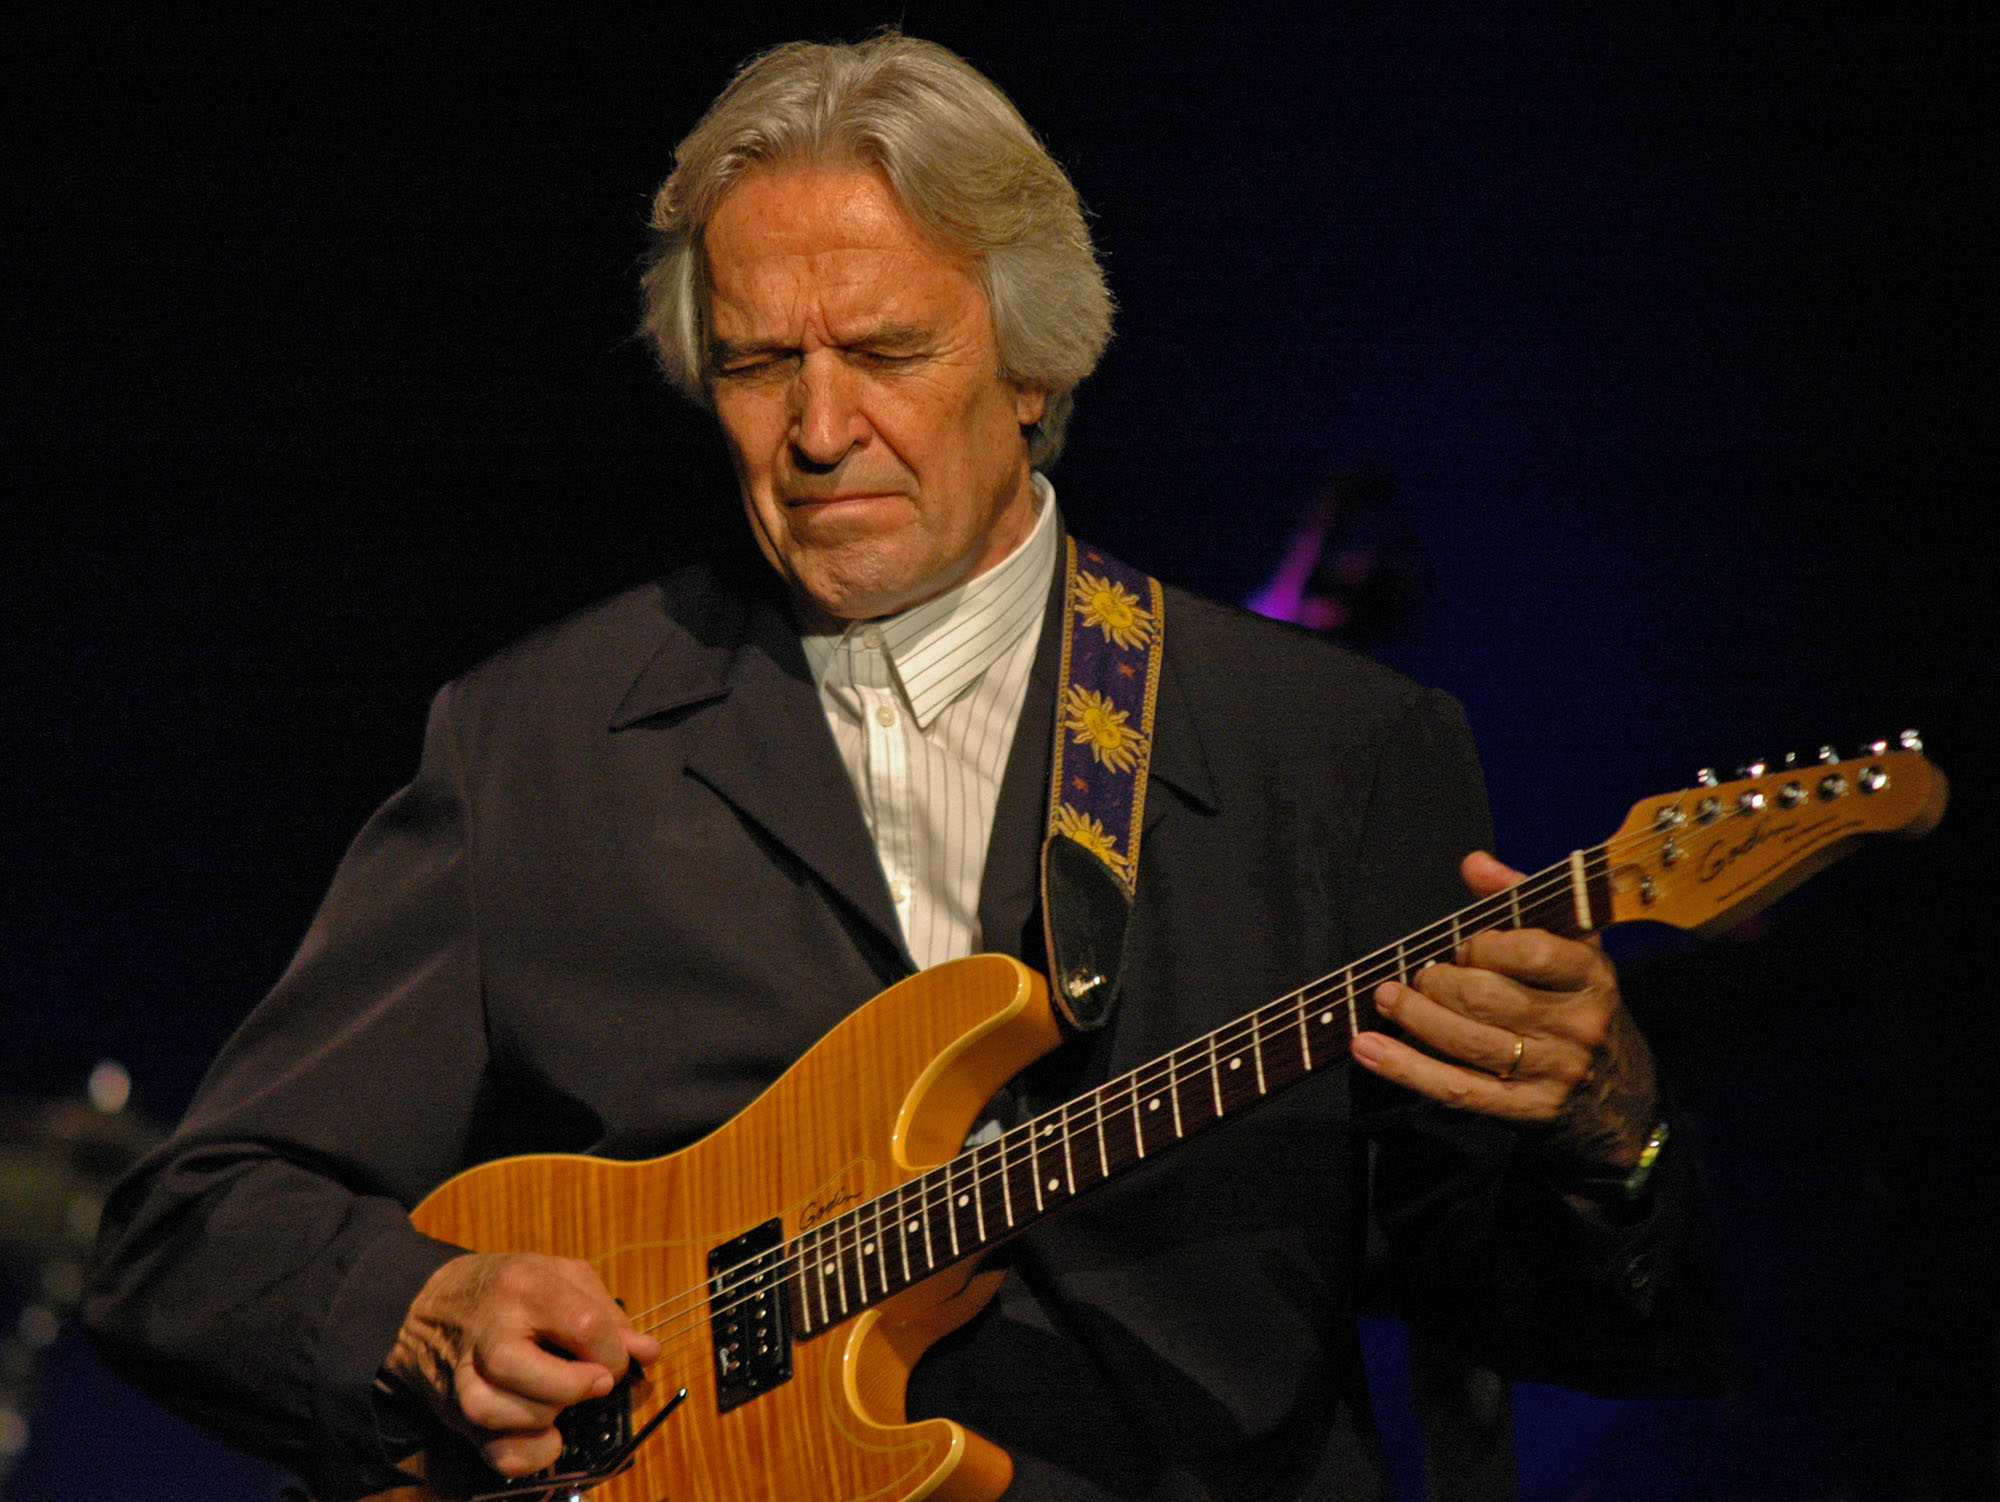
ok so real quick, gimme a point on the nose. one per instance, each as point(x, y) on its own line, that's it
point(827, 421)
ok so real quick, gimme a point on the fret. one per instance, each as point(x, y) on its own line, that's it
point(1006, 1182)
point(1035, 1167)
point(872, 1247)
point(950, 1214)
point(979, 1194)
point(1174, 1091)
point(1257, 1048)
point(930, 1247)
point(1138, 1121)
point(861, 1247)
point(1305, 1038)
point(823, 1268)
point(1514, 904)
point(801, 1300)
point(1215, 1076)
point(844, 1265)
point(1353, 1009)
point(903, 1224)
point(1069, 1170)
point(883, 1267)
point(834, 1271)
point(1103, 1148)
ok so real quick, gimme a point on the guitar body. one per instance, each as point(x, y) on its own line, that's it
point(892, 1090)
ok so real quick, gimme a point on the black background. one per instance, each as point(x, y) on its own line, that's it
point(1671, 327)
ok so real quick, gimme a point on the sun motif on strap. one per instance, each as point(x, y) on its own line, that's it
point(1113, 609)
point(1099, 724)
point(1087, 832)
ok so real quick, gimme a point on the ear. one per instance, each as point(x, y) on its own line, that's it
point(1031, 400)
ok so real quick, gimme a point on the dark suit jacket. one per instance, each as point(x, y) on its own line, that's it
point(630, 884)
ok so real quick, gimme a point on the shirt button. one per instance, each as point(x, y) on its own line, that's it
point(884, 715)
point(872, 637)
point(900, 890)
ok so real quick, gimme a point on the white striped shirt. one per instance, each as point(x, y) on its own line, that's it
point(923, 706)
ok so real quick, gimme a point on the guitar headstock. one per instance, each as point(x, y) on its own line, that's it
point(1707, 857)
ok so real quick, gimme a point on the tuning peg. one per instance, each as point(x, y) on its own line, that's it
point(1876, 748)
point(1909, 740)
point(1828, 755)
point(1706, 778)
point(1753, 769)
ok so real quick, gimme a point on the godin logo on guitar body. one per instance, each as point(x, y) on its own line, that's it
point(818, 1210)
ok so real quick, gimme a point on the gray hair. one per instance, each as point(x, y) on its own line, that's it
point(962, 162)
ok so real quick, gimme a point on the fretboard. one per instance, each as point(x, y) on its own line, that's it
point(988, 1193)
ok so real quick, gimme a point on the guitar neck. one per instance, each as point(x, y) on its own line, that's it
point(1697, 858)
point(990, 1192)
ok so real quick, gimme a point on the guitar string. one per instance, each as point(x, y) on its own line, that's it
point(935, 1186)
point(835, 1253)
point(850, 1238)
point(850, 1234)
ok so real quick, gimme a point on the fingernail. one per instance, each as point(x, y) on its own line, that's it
point(1368, 1048)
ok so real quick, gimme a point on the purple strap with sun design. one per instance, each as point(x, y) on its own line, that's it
point(1112, 633)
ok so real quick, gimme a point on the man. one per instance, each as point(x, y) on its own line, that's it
point(654, 852)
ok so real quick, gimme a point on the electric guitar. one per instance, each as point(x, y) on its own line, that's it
point(797, 1262)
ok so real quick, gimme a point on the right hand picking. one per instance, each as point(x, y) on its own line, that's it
point(499, 1344)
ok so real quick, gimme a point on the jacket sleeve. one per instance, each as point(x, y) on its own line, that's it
point(1483, 1245)
point(252, 1273)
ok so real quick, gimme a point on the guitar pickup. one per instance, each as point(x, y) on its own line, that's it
point(748, 1315)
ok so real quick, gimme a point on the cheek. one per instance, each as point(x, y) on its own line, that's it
point(748, 428)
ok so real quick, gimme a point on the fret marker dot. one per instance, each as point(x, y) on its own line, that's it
point(1048, 1131)
point(909, 1226)
point(1235, 1063)
point(1326, 1019)
point(1153, 1104)
point(1054, 1184)
point(826, 1272)
point(964, 1199)
point(868, 1250)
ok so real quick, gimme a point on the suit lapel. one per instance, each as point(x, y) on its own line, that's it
point(754, 731)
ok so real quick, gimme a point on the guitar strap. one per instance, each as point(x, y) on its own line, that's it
point(1112, 632)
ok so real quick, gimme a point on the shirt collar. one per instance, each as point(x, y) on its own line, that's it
point(934, 651)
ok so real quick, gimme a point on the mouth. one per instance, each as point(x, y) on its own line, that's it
point(843, 498)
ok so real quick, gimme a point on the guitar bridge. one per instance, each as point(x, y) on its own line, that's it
point(748, 1315)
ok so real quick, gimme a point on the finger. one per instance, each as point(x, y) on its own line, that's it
point(1482, 995)
point(562, 1303)
point(1535, 958)
point(529, 1372)
point(522, 1454)
point(1485, 875)
point(489, 1406)
point(1496, 1049)
point(640, 1345)
point(1451, 1084)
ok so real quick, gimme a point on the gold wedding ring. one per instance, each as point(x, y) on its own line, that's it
point(1520, 1047)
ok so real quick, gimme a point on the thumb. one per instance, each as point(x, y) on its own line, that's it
point(1485, 875)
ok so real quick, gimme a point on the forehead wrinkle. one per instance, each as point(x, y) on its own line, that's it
point(775, 255)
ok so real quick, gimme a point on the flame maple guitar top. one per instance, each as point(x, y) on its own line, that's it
point(892, 1090)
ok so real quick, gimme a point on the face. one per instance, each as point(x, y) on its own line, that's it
point(880, 453)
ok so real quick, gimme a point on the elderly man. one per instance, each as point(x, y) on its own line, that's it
point(652, 854)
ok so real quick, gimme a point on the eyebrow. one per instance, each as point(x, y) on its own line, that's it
point(892, 339)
